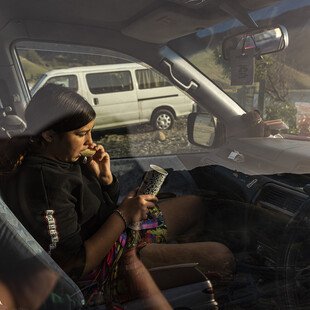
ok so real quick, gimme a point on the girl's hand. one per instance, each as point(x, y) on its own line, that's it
point(100, 164)
point(135, 208)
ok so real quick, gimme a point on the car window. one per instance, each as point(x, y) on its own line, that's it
point(109, 82)
point(159, 124)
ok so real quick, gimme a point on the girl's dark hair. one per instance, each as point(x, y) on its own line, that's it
point(58, 108)
point(53, 107)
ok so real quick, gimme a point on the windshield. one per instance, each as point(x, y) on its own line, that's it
point(280, 86)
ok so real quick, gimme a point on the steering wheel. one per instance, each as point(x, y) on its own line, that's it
point(294, 280)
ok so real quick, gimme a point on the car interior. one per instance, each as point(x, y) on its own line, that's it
point(255, 175)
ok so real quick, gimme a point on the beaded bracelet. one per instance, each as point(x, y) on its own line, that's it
point(121, 214)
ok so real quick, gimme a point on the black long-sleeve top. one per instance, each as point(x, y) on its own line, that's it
point(62, 205)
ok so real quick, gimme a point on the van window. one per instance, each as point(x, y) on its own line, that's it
point(69, 81)
point(148, 78)
point(109, 82)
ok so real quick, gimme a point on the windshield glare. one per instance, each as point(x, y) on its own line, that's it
point(280, 89)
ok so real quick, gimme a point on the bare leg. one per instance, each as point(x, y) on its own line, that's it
point(185, 214)
point(192, 219)
point(141, 284)
point(212, 257)
point(6, 299)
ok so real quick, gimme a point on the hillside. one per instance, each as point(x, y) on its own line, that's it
point(35, 62)
point(32, 70)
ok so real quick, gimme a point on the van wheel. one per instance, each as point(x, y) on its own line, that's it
point(162, 119)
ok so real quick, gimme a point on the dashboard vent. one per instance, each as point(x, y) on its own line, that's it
point(282, 198)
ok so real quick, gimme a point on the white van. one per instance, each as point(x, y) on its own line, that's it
point(124, 94)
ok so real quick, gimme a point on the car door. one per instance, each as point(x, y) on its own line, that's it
point(113, 97)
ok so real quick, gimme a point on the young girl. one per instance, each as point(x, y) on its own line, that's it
point(70, 205)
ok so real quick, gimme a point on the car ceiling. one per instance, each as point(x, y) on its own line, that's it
point(155, 21)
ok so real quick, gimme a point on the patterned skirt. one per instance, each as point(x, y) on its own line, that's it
point(104, 285)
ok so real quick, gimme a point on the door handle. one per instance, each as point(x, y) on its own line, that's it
point(96, 101)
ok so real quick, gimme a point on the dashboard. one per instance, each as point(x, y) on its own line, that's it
point(276, 219)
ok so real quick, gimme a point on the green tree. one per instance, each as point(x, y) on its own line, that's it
point(273, 87)
point(270, 71)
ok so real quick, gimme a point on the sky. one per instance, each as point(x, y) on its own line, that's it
point(278, 9)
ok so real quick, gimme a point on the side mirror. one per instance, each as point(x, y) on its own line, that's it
point(202, 130)
point(261, 41)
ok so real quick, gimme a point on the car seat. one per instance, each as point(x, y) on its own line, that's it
point(21, 256)
point(185, 286)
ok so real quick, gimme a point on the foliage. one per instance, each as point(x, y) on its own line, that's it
point(282, 110)
point(270, 71)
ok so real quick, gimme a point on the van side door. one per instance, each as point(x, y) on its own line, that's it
point(155, 92)
point(113, 97)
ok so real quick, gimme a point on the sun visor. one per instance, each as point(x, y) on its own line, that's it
point(165, 24)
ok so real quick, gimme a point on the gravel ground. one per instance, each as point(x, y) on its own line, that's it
point(143, 140)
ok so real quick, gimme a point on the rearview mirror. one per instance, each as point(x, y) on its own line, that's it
point(256, 42)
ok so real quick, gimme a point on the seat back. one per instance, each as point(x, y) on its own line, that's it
point(21, 255)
